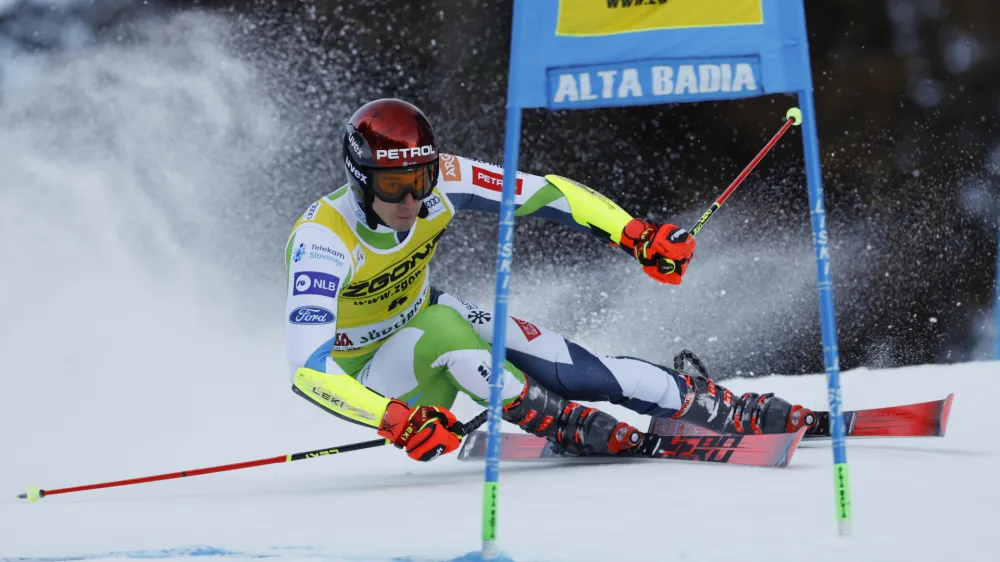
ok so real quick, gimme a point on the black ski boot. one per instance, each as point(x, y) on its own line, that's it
point(578, 430)
point(714, 407)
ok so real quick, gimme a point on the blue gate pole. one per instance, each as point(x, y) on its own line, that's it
point(831, 359)
point(505, 258)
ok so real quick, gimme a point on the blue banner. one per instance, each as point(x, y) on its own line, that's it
point(595, 53)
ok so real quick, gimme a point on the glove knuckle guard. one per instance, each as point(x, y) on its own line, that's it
point(432, 442)
point(445, 416)
point(423, 432)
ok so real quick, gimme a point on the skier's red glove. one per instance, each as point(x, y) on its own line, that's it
point(426, 432)
point(663, 250)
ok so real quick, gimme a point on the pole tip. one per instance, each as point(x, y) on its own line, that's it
point(795, 114)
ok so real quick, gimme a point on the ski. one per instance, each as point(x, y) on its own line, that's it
point(926, 419)
point(749, 450)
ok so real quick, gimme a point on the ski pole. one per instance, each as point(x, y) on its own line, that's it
point(792, 117)
point(34, 494)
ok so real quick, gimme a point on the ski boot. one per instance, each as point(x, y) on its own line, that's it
point(715, 407)
point(576, 429)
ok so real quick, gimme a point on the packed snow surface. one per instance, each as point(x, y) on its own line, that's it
point(914, 499)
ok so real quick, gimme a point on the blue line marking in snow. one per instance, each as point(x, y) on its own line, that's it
point(211, 551)
point(190, 551)
point(478, 557)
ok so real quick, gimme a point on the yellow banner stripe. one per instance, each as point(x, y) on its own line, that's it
point(608, 17)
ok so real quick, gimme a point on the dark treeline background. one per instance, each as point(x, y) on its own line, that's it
point(908, 104)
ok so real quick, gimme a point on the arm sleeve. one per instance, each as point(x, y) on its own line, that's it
point(474, 185)
point(341, 395)
point(319, 264)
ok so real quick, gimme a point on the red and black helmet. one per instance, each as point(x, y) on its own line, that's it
point(390, 150)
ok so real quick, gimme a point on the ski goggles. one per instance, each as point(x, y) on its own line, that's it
point(392, 184)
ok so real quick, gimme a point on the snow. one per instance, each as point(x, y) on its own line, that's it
point(916, 499)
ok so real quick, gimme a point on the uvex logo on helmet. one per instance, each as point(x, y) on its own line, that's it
point(355, 171)
point(402, 153)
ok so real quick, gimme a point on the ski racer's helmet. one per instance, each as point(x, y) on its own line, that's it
point(389, 151)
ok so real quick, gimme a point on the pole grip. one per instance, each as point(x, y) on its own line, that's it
point(473, 424)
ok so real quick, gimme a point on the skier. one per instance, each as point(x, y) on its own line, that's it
point(369, 339)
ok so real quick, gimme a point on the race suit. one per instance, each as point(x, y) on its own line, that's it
point(364, 324)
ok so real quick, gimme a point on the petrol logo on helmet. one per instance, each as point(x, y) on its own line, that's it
point(398, 153)
point(311, 315)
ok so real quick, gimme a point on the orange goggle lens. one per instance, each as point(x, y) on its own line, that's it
point(392, 186)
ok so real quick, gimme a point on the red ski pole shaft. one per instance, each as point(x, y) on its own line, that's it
point(793, 117)
point(35, 494)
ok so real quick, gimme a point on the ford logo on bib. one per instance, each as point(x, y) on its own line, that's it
point(311, 315)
